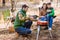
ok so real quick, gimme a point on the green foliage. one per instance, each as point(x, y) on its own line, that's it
point(6, 13)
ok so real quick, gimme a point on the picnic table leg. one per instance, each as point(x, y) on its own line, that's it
point(38, 31)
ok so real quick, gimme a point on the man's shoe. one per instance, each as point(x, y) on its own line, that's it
point(49, 28)
point(17, 35)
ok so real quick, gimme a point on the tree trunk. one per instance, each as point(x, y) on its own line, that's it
point(12, 5)
point(3, 2)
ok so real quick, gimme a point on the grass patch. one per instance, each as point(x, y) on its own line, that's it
point(6, 13)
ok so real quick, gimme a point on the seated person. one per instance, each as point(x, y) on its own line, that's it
point(42, 12)
point(42, 16)
point(50, 15)
point(21, 26)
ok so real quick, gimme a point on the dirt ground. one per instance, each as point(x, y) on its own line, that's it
point(44, 34)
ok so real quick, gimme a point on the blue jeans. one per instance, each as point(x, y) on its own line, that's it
point(50, 20)
point(27, 24)
point(43, 18)
point(25, 29)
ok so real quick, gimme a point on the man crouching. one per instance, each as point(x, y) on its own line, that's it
point(21, 26)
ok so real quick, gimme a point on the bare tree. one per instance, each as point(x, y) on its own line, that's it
point(3, 2)
point(12, 5)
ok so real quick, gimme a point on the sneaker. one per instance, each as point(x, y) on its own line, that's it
point(49, 28)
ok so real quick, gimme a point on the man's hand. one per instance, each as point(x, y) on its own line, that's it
point(21, 17)
point(26, 18)
point(29, 18)
point(32, 18)
point(48, 10)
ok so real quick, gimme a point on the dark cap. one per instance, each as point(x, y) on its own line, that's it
point(24, 6)
point(48, 3)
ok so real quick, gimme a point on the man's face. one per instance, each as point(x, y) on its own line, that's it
point(48, 6)
point(25, 8)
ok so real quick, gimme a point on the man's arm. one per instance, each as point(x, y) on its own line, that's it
point(21, 16)
point(24, 18)
point(52, 13)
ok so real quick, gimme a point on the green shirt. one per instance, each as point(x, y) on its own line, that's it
point(18, 22)
point(50, 11)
